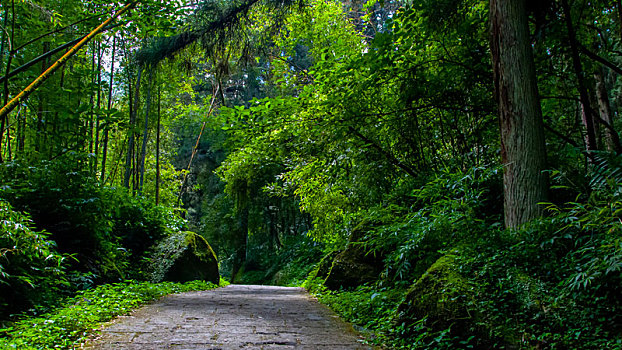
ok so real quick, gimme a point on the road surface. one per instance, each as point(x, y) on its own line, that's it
point(233, 317)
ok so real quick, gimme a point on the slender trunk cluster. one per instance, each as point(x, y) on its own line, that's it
point(107, 127)
point(134, 102)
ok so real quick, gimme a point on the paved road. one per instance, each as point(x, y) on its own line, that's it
point(234, 317)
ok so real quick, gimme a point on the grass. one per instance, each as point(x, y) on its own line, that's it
point(69, 325)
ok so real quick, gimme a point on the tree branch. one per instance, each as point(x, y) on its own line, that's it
point(600, 59)
point(561, 136)
point(41, 57)
point(396, 162)
point(56, 31)
point(23, 95)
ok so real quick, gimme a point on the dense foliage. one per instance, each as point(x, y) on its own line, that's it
point(353, 145)
point(30, 267)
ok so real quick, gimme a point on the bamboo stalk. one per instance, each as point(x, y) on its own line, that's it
point(23, 95)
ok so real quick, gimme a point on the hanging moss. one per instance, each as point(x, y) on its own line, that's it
point(216, 24)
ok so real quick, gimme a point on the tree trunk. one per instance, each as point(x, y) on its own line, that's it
point(523, 151)
point(106, 128)
point(136, 160)
point(586, 109)
point(21, 133)
point(3, 40)
point(99, 100)
point(91, 122)
point(143, 152)
point(610, 137)
point(157, 179)
point(131, 136)
point(11, 40)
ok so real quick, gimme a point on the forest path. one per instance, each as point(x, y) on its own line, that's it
point(233, 317)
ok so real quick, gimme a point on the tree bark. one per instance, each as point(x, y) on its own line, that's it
point(130, 143)
point(610, 137)
point(523, 151)
point(106, 128)
point(143, 152)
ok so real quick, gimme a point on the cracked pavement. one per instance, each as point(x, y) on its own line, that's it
point(233, 317)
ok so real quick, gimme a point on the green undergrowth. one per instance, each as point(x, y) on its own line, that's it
point(454, 280)
point(370, 308)
point(71, 323)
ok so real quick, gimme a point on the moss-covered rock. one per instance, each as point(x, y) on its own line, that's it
point(442, 297)
point(184, 256)
point(355, 265)
point(322, 269)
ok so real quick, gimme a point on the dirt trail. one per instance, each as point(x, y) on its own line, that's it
point(234, 317)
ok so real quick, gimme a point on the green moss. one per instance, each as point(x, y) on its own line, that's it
point(442, 297)
point(353, 266)
point(184, 256)
point(200, 246)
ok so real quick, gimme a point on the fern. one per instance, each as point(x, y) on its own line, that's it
point(607, 170)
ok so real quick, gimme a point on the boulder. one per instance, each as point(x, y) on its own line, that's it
point(184, 256)
point(353, 266)
point(442, 296)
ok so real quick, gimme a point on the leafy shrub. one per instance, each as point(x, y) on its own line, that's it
point(137, 222)
point(69, 325)
point(31, 271)
point(67, 202)
point(371, 308)
point(554, 284)
point(106, 229)
point(443, 213)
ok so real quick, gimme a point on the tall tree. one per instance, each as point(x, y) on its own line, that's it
point(143, 151)
point(586, 108)
point(610, 136)
point(523, 151)
point(106, 128)
point(132, 131)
